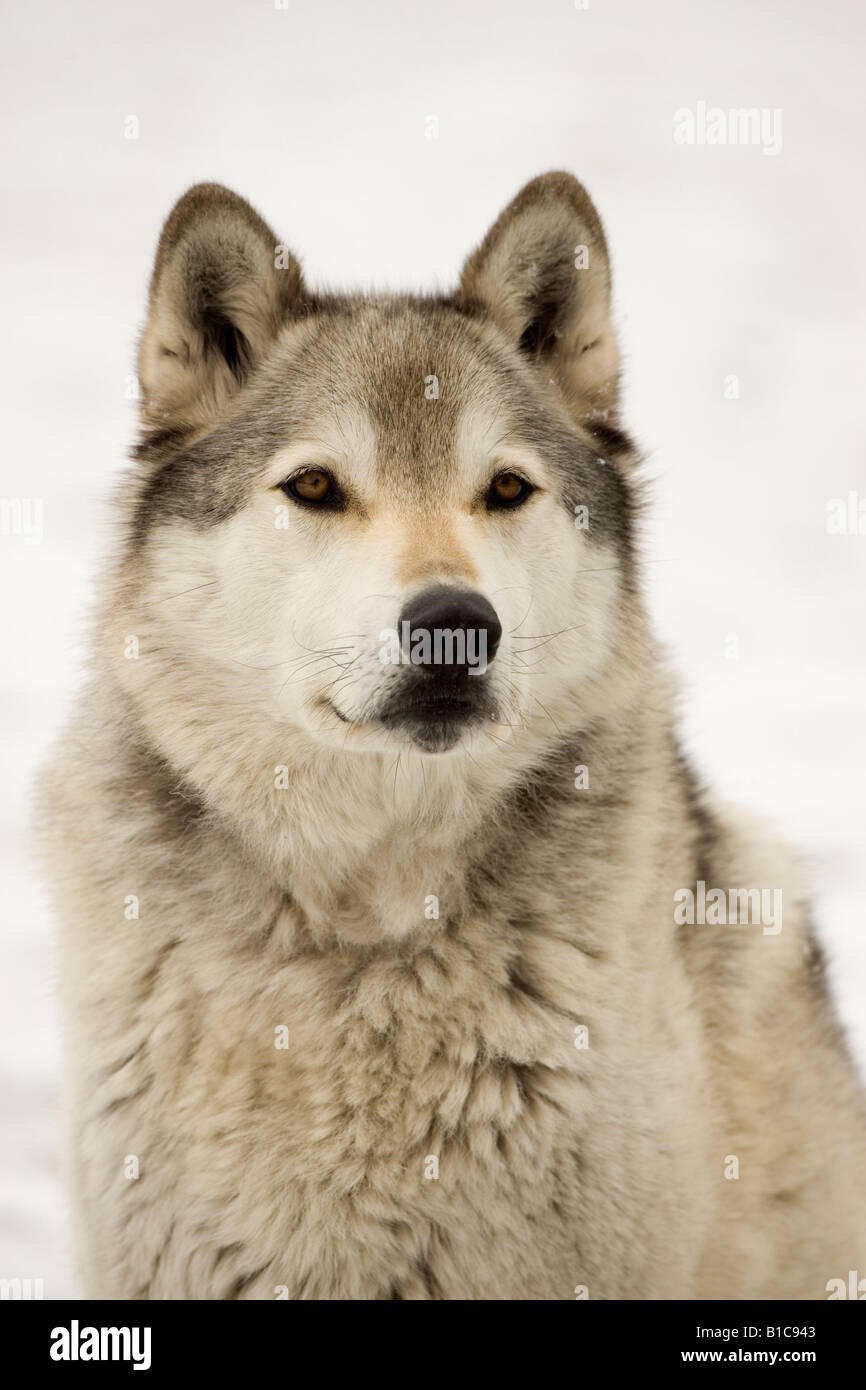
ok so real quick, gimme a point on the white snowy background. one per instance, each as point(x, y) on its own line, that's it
point(727, 261)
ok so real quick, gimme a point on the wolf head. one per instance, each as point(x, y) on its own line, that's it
point(382, 523)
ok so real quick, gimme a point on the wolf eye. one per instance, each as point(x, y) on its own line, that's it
point(507, 490)
point(314, 487)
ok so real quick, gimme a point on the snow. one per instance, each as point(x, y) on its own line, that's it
point(728, 261)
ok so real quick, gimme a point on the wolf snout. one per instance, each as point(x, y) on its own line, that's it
point(448, 632)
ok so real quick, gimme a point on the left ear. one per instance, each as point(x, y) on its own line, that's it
point(542, 274)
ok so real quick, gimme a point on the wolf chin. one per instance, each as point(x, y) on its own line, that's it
point(372, 983)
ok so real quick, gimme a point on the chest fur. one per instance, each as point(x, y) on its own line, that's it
point(336, 1123)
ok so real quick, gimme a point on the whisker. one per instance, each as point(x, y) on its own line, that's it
point(549, 715)
point(305, 672)
point(208, 585)
point(297, 640)
point(289, 661)
point(502, 741)
point(535, 636)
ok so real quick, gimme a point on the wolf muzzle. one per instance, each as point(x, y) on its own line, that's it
point(447, 637)
point(448, 633)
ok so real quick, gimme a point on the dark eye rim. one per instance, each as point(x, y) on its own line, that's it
point(333, 501)
point(499, 504)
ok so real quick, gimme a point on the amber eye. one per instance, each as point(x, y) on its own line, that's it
point(507, 490)
point(314, 488)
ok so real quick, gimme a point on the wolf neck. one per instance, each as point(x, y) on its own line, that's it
point(371, 846)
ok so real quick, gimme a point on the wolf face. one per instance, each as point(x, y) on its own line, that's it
point(396, 523)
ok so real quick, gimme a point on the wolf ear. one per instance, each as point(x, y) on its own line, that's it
point(221, 288)
point(542, 274)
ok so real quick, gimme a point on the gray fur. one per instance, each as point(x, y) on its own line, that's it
point(305, 1171)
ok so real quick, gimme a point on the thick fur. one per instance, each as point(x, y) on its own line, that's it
point(428, 931)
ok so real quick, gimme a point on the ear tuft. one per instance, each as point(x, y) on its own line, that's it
point(221, 290)
point(542, 275)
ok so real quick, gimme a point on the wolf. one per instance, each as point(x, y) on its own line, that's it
point(373, 978)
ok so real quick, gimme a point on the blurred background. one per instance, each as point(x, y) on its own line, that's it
point(380, 140)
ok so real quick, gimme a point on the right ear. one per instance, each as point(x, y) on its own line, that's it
point(221, 289)
point(542, 275)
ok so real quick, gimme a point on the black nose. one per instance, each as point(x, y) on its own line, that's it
point(449, 632)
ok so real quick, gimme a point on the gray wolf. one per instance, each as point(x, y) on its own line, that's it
point(380, 974)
